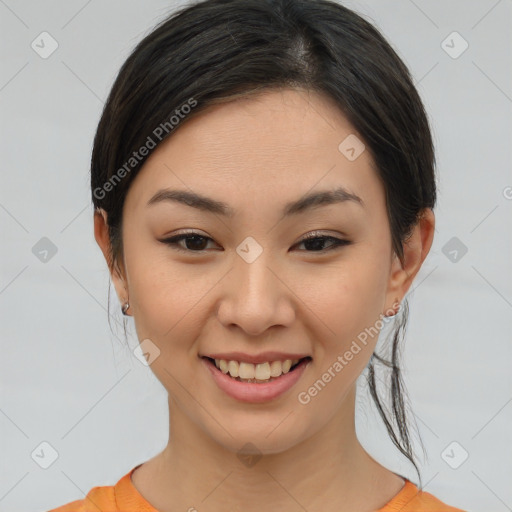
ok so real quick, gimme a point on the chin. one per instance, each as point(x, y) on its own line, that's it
point(263, 438)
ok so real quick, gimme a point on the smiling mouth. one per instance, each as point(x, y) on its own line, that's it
point(260, 373)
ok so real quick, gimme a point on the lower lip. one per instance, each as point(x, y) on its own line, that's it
point(254, 392)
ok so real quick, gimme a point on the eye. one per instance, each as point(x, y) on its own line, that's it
point(316, 241)
point(195, 242)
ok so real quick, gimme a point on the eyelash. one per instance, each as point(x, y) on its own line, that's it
point(337, 242)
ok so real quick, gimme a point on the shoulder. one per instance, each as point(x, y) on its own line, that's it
point(426, 502)
point(98, 498)
point(411, 499)
point(110, 498)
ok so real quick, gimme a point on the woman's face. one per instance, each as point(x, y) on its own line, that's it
point(248, 282)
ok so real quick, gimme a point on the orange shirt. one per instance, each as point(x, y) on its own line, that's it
point(124, 497)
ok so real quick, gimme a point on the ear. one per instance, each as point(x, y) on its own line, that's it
point(101, 234)
point(416, 248)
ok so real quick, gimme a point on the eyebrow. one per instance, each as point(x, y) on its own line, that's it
point(307, 202)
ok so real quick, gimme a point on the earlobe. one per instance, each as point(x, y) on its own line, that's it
point(416, 249)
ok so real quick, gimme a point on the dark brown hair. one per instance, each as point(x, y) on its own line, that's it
point(214, 50)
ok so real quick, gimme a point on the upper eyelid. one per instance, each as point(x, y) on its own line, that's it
point(311, 234)
point(339, 240)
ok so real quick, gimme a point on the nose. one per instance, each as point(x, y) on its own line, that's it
point(256, 297)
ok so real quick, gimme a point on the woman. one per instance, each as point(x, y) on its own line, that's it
point(263, 178)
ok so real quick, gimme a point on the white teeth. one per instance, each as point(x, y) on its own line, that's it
point(287, 365)
point(252, 372)
point(223, 365)
point(246, 371)
point(276, 368)
point(262, 371)
point(233, 367)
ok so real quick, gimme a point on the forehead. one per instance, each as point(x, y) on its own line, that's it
point(272, 147)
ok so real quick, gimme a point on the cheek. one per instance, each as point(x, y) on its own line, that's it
point(169, 312)
point(346, 297)
point(166, 298)
point(348, 304)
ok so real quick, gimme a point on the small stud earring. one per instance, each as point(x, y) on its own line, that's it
point(124, 309)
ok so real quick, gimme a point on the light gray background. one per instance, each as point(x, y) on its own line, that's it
point(67, 381)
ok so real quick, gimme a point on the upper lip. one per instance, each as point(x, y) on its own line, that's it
point(263, 357)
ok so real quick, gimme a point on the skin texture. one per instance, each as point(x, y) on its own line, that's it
point(257, 154)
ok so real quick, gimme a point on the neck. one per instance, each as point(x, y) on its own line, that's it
point(329, 470)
